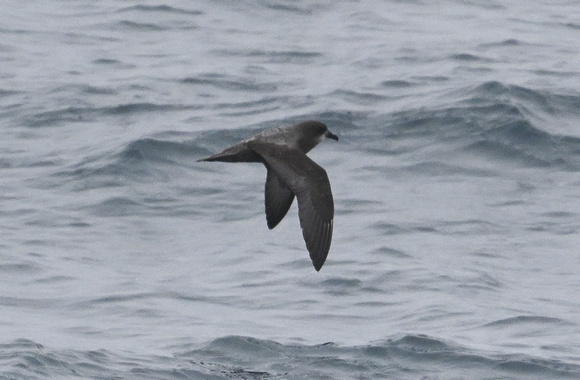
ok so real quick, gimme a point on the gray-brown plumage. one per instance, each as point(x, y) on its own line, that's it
point(291, 173)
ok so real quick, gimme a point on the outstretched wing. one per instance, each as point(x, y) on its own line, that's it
point(309, 182)
point(278, 198)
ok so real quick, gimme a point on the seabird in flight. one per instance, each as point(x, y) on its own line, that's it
point(290, 173)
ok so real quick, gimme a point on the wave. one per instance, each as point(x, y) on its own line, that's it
point(149, 159)
point(159, 9)
point(496, 122)
point(65, 115)
point(466, 57)
point(230, 83)
point(299, 57)
point(526, 320)
point(239, 357)
point(145, 176)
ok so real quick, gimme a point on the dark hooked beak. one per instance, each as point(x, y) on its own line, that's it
point(331, 135)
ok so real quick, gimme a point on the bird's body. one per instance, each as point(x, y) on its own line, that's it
point(291, 173)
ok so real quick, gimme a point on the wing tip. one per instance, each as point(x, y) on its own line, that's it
point(317, 266)
point(319, 261)
point(319, 245)
point(271, 224)
point(319, 258)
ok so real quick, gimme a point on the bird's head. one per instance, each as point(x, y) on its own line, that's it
point(313, 132)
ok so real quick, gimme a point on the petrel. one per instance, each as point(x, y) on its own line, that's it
point(290, 172)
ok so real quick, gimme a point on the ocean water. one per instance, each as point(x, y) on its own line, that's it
point(456, 183)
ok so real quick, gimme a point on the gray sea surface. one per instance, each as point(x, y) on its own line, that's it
point(456, 181)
